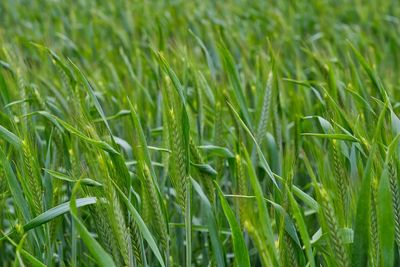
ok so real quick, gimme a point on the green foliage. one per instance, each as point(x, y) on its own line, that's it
point(199, 133)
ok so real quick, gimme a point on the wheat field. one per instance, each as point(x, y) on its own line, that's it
point(199, 133)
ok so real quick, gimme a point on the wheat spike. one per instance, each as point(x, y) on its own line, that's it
point(394, 188)
point(3, 184)
point(120, 229)
point(374, 222)
point(340, 179)
point(145, 204)
point(32, 178)
point(242, 189)
point(136, 245)
point(333, 229)
point(277, 123)
point(260, 243)
point(218, 136)
point(104, 230)
point(39, 99)
point(56, 199)
point(288, 257)
point(157, 217)
point(178, 164)
point(265, 111)
point(115, 214)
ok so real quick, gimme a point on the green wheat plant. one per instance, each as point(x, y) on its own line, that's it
point(199, 133)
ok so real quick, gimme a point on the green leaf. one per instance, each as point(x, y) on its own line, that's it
point(289, 225)
point(99, 254)
point(307, 199)
point(15, 187)
point(264, 219)
point(61, 176)
point(264, 162)
point(100, 144)
point(53, 213)
point(49, 116)
point(35, 262)
point(185, 118)
point(344, 137)
point(213, 230)
point(57, 211)
point(234, 79)
point(371, 73)
point(385, 220)
point(141, 148)
point(57, 61)
point(119, 114)
point(142, 226)
point(241, 255)
point(325, 125)
point(10, 137)
point(205, 168)
point(186, 135)
point(92, 95)
point(218, 151)
point(362, 223)
point(301, 225)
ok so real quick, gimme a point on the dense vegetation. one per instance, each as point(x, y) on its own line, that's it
point(205, 133)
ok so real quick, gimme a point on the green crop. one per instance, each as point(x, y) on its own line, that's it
point(199, 133)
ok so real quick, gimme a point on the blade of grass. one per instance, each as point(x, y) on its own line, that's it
point(142, 226)
point(99, 254)
point(241, 252)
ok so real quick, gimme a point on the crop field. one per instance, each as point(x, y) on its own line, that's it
point(199, 133)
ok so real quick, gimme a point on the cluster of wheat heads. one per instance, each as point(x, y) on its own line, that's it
point(199, 133)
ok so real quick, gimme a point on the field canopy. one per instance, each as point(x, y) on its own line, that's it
point(199, 133)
